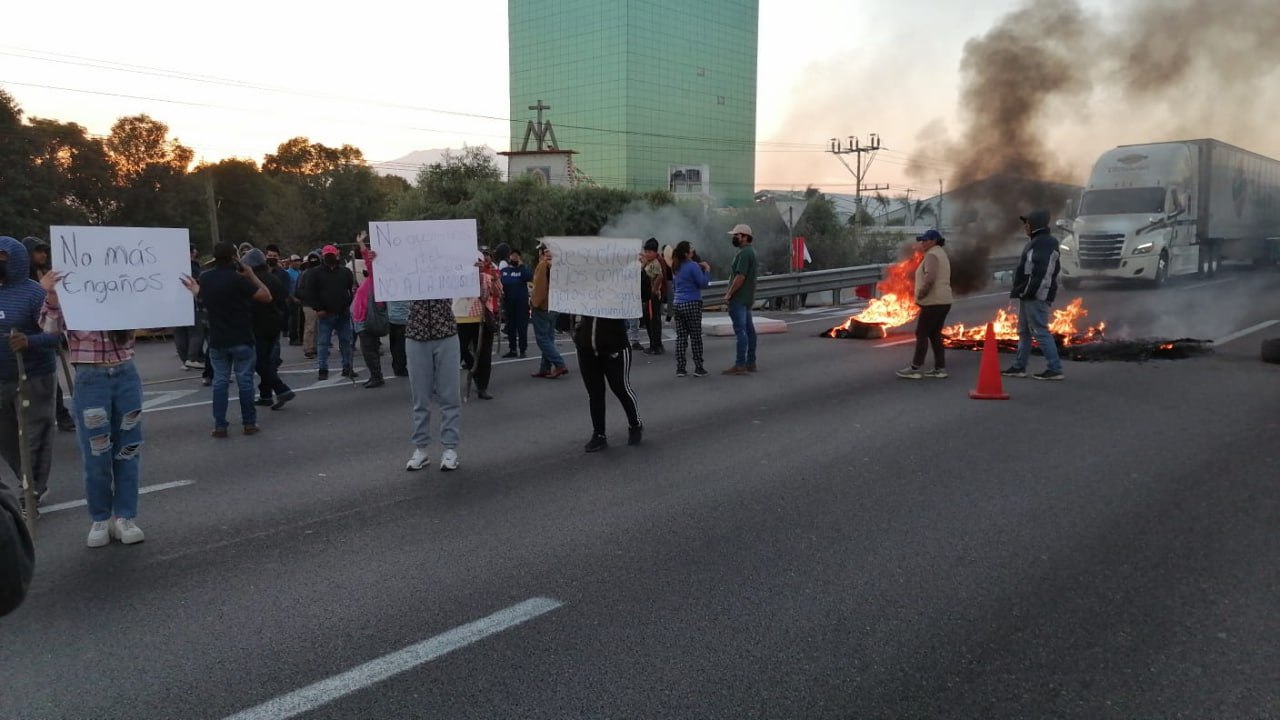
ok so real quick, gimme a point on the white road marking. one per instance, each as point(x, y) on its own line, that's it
point(154, 398)
point(1205, 284)
point(375, 671)
point(1247, 331)
point(896, 343)
point(141, 491)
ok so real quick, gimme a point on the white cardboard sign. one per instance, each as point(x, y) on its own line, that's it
point(424, 260)
point(595, 276)
point(122, 278)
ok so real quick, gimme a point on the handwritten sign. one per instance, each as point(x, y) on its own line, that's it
point(595, 276)
point(122, 278)
point(424, 260)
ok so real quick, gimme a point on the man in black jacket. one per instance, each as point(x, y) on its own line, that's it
point(329, 290)
point(268, 320)
point(1035, 285)
point(17, 554)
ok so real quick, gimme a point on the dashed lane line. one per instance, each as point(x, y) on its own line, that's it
point(375, 671)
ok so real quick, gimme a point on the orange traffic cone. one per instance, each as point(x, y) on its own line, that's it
point(989, 385)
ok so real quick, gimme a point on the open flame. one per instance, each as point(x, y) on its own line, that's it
point(1062, 325)
point(896, 305)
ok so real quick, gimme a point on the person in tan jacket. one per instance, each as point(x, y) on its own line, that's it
point(544, 320)
point(933, 295)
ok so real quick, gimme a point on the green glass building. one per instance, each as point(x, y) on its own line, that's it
point(649, 93)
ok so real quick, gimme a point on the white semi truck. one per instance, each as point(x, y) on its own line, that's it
point(1172, 208)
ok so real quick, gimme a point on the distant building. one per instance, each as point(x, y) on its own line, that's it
point(649, 95)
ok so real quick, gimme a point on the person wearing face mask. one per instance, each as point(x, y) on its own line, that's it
point(740, 297)
point(331, 293)
point(21, 300)
point(515, 304)
point(38, 251)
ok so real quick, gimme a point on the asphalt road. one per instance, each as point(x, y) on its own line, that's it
point(819, 540)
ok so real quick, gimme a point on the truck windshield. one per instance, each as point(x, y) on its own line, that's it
point(1123, 201)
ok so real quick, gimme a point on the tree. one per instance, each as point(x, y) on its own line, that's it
point(138, 143)
point(152, 188)
point(72, 175)
point(917, 211)
point(451, 180)
point(18, 199)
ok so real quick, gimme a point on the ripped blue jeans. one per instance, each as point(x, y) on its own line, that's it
point(108, 411)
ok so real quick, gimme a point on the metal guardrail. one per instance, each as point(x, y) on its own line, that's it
point(834, 280)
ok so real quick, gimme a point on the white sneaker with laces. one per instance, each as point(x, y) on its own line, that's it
point(99, 534)
point(449, 461)
point(419, 460)
point(124, 530)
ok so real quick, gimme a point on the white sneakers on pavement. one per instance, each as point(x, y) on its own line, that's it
point(449, 461)
point(418, 461)
point(122, 529)
point(126, 531)
point(99, 534)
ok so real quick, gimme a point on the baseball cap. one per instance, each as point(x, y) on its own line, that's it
point(295, 258)
point(931, 235)
point(329, 250)
point(742, 229)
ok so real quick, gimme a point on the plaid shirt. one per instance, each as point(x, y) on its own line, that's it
point(89, 347)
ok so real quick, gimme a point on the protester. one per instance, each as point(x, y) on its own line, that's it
point(330, 292)
point(604, 355)
point(477, 320)
point(17, 552)
point(38, 252)
point(189, 340)
point(21, 299)
point(309, 321)
point(544, 320)
point(691, 275)
point(398, 318)
point(1035, 286)
point(515, 304)
point(268, 320)
point(434, 357)
point(294, 268)
point(653, 285)
point(227, 292)
point(933, 295)
point(108, 402)
point(740, 297)
point(370, 341)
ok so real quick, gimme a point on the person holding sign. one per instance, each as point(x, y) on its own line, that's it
point(434, 356)
point(108, 405)
point(21, 299)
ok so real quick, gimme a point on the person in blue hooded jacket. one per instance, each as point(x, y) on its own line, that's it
point(21, 299)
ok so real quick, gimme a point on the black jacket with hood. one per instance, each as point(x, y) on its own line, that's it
point(328, 289)
point(1036, 277)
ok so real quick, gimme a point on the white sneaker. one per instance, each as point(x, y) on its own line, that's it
point(99, 534)
point(449, 461)
point(419, 460)
point(124, 530)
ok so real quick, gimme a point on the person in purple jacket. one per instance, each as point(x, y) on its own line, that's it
point(691, 275)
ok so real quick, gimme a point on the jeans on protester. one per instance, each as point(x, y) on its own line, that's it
point(235, 361)
point(544, 332)
point(329, 325)
point(1033, 321)
point(744, 330)
point(108, 408)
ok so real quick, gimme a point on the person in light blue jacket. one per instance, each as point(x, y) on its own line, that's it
point(691, 275)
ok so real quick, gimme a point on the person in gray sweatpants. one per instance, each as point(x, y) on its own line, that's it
point(434, 356)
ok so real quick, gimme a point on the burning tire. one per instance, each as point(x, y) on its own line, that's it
point(1271, 351)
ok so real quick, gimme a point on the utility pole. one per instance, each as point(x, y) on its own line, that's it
point(939, 204)
point(854, 146)
point(213, 206)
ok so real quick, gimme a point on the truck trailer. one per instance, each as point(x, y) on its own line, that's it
point(1153, 211)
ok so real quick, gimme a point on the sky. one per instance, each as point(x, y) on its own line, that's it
point(238, 78)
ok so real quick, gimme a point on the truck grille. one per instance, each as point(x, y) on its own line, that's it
point(1100, 252)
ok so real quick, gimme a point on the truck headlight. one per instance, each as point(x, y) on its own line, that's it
point(1144, 249)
